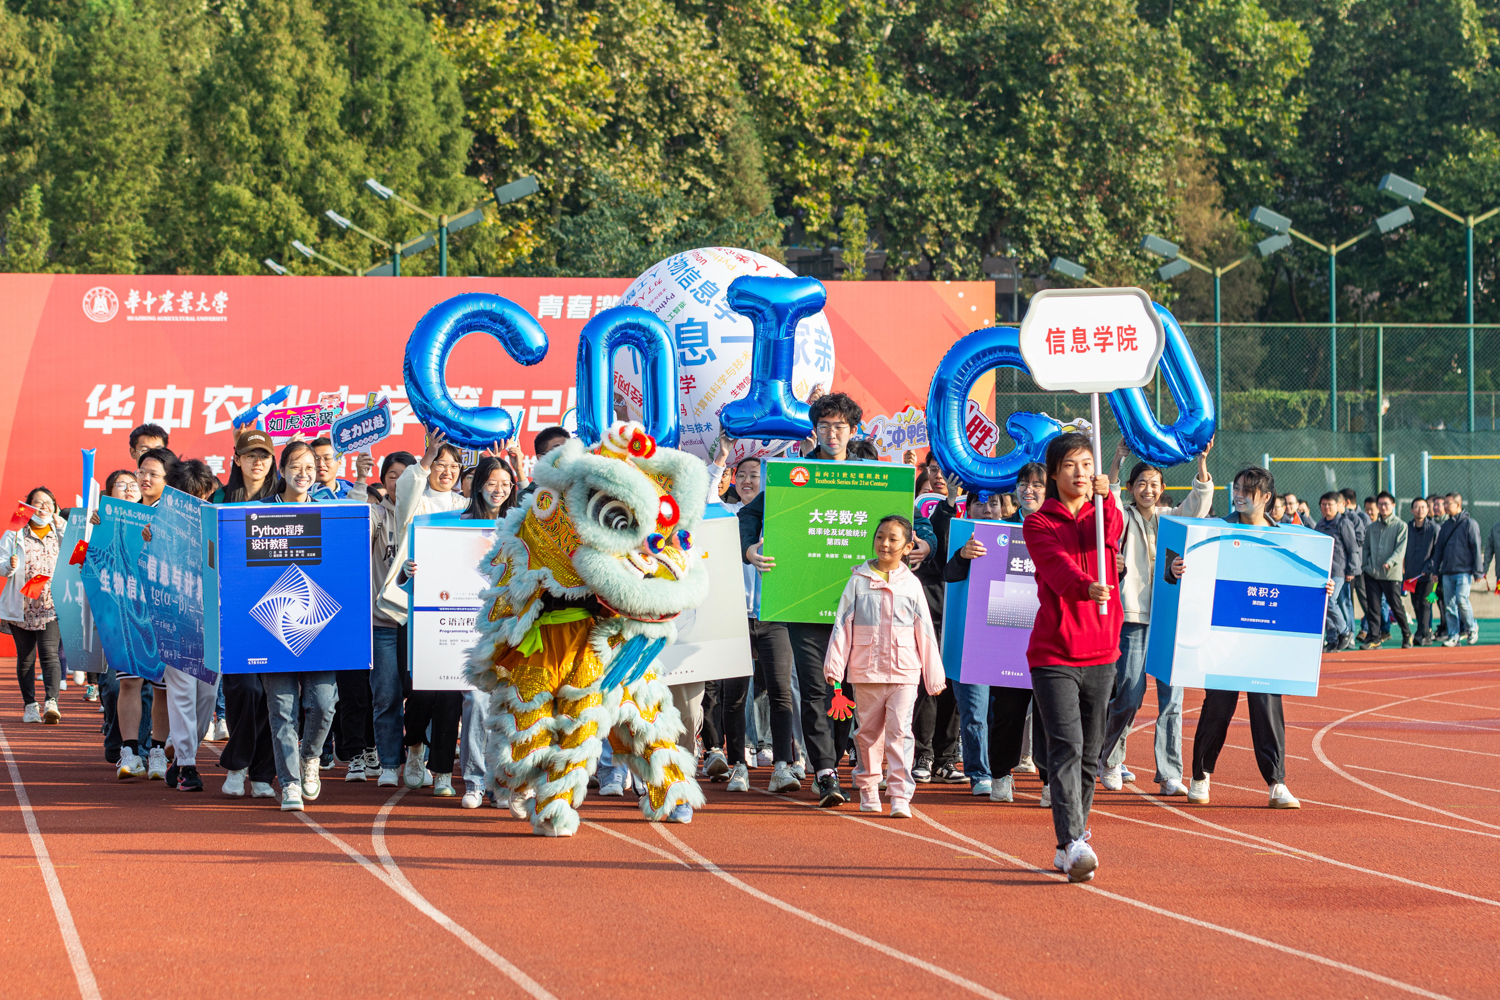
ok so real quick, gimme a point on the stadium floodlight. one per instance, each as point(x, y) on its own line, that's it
point(515, 191)
point(277, 268)
point(466, 220)
point(1393, 220)
point(381, 191)
point(1271, 244)
point(472, 217)
point(1171, 270)
point(1399, 187)
point(1160, 247)
point(338, 220)
point(312, 254)
point(1066, 267)
point(1274, 221)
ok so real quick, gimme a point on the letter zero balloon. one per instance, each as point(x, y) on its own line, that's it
point(642, 332)
point(1196, 420)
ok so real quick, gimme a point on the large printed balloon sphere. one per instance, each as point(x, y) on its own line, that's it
point(687, 292)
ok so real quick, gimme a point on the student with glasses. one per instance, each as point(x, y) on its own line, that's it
point(31, 619)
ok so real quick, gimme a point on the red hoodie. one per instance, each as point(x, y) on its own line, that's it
point(1069, 629)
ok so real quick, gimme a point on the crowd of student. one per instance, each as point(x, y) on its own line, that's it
point(868, 687)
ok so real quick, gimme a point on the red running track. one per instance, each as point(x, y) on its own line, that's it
point(1380, 886)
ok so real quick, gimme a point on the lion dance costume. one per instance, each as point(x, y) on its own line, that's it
point(586, 578)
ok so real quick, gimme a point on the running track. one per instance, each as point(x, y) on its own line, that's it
point(1381, 886)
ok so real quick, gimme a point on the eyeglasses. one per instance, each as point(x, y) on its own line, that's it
point(1031, 488)
point(826, 426)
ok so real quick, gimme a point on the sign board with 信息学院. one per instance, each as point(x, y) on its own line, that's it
point(1091, 339)
point(988, 617)
point(287, 587)
point(443, 598)
point(820, 522)
point(1247, 614)
point(713, 639)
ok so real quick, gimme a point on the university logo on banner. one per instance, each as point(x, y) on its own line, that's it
point(799, 476)
point(100, 304)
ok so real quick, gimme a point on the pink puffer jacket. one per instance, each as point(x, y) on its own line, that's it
point(883, 633)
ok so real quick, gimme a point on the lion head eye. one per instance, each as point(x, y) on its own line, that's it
point(611, 512)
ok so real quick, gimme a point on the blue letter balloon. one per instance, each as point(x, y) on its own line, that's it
point(635, 328)
point(1190, 433)
point(980, 352)
point(426, 364)
point(774, 306)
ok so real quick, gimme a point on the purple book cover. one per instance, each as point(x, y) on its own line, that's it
point(1002, 607)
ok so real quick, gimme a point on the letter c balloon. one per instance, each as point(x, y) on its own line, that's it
point(974, 355)
point(426, 364)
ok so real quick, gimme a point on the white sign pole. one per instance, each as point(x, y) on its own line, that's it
point(1098, 498)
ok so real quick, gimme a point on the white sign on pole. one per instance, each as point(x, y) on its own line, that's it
point(1091, 339)
point(713, 640)
point(444, 602)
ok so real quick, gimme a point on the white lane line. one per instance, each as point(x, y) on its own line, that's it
point(1437, 722)
point(1057, 877)
point(1419, 777)
point(1194, 921)
point(88, 988)
point(1308, 854)
point(1382, 739)
point(1371, 812)
point(391, 877)
point(1317, 745)
point(1465, 704)
point(639, 843)
point(826, 925)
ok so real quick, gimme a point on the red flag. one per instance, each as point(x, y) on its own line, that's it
point(80, 553)
point(33, 588)
point(24, 512)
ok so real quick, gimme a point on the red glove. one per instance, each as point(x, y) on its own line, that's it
point(841, 708)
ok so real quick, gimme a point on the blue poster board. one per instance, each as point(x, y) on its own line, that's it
point(174, 580)
point(956, 597)
point(114, 578)
point(1248, 613)
point(81, 647)
point(291, 584)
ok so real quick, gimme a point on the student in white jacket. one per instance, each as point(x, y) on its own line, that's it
point(1138, 549)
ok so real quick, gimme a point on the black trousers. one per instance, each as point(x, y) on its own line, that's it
point(442, 709)
point(934, 725)
point(355, 718)
point(32, 644)
point(1267, 733)
point(827, 739)
point(1074, 704)
point(1007, 731)
point(733, 692)
point(1425, 586)
point(249, 744)
point(1375, 589)
point(772, 645)
point(713, 716)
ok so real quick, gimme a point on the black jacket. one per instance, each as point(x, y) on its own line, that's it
point(1457, 549)
point(1419, 545)
point(1346, 550)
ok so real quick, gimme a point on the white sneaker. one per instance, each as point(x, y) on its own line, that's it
point(1126, 774)
point(131, 765)
point(156, 764)
point(1110, 779)
point(443, 787)
point(1080, 862)
point(982, 787)
point(234, 782)
point(764, 758)
point(613, 784)
point(799, 768)
point(1173, 786)
point(1473, 637)
point(1027, 765)
point(517, 803)
point(739, 779)
point(1060, 859)
point(783, 779)
point(33, 713)
point(1002, 789)
point(683, 813)
point(79, 677)
point(312, 782)
point(427, 777)
point(1046, 800)
point(291, 795)
point(220, 731)
point(1282, 798)
point(473, 799)
point(900, 809)
point(388, 778)
point(372, 763)
point(50, 715)
point(1451, 641)
point(356, 769)
point(869, 802)
point(1198, 792)
point(262, 790)
point(415, 768)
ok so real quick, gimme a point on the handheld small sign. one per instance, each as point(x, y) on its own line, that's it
point(359, 430)
point(1092, 340)
point(310, 421)
point(253, 413)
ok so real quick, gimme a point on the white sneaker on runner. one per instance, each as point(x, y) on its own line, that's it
point(1473, 637)
point(1126, 774)
point(1173, 786)
point(1451, 641)
point(1002, 789)
point(388, 778)
point(900, 809)
point(1110, 779)
point(262, 790)
point(356, 769)
point(312, 781)
point(1060, 859)
point(415, 767)
point(372, 762)
point(763, 758)
point(473, 799)
point(682, 813)
point(1198, 792)
point(443, 787)
point(517, 804)
point(739, 779)
point(221, 730)
point(1046, 800)
point(291, 795)
point(1282, 798)
point(156, 764)
point(1081, 862)
point(783, 780)
point(50, 714)
point(799, 768)
point(612, 785)
point(33, 713)
point(234, 782)
point(131, 766)
point(1027, 765)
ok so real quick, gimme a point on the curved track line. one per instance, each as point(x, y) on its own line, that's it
point(1241, 935)
point(88, 988)
point(639, 843)
point(1317, 745)
point(826, 925)
point(392, 879)
point(1382, 739)
point(1373, 812)
point(1437, 722)
point(1422, 777)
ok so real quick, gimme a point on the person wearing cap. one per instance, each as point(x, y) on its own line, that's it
point(253, 475)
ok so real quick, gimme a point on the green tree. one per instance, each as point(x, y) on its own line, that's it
point(26, 237)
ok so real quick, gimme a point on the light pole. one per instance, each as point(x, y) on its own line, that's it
point(1404, 190)
point(1077, 272)
point(396, 250)
point(445, 225)
point(275, 267)
point(312, 254)
point(1180, 263)
point(1282, 226)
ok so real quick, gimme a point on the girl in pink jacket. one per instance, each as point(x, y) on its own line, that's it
point(883, 639)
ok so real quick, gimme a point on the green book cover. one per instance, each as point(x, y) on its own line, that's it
point(820, 522)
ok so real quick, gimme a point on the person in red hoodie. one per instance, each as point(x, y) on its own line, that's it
point(1074, 645)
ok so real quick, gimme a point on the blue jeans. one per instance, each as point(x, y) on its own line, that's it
point(1456, 604)
point(1346, 605)
point(385, 696)
point(974, 728)
point(1130, 690)
point(1334, 622)
point(473, 740)
point(318, 693)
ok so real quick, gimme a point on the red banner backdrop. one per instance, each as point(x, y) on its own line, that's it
point(91, 356)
